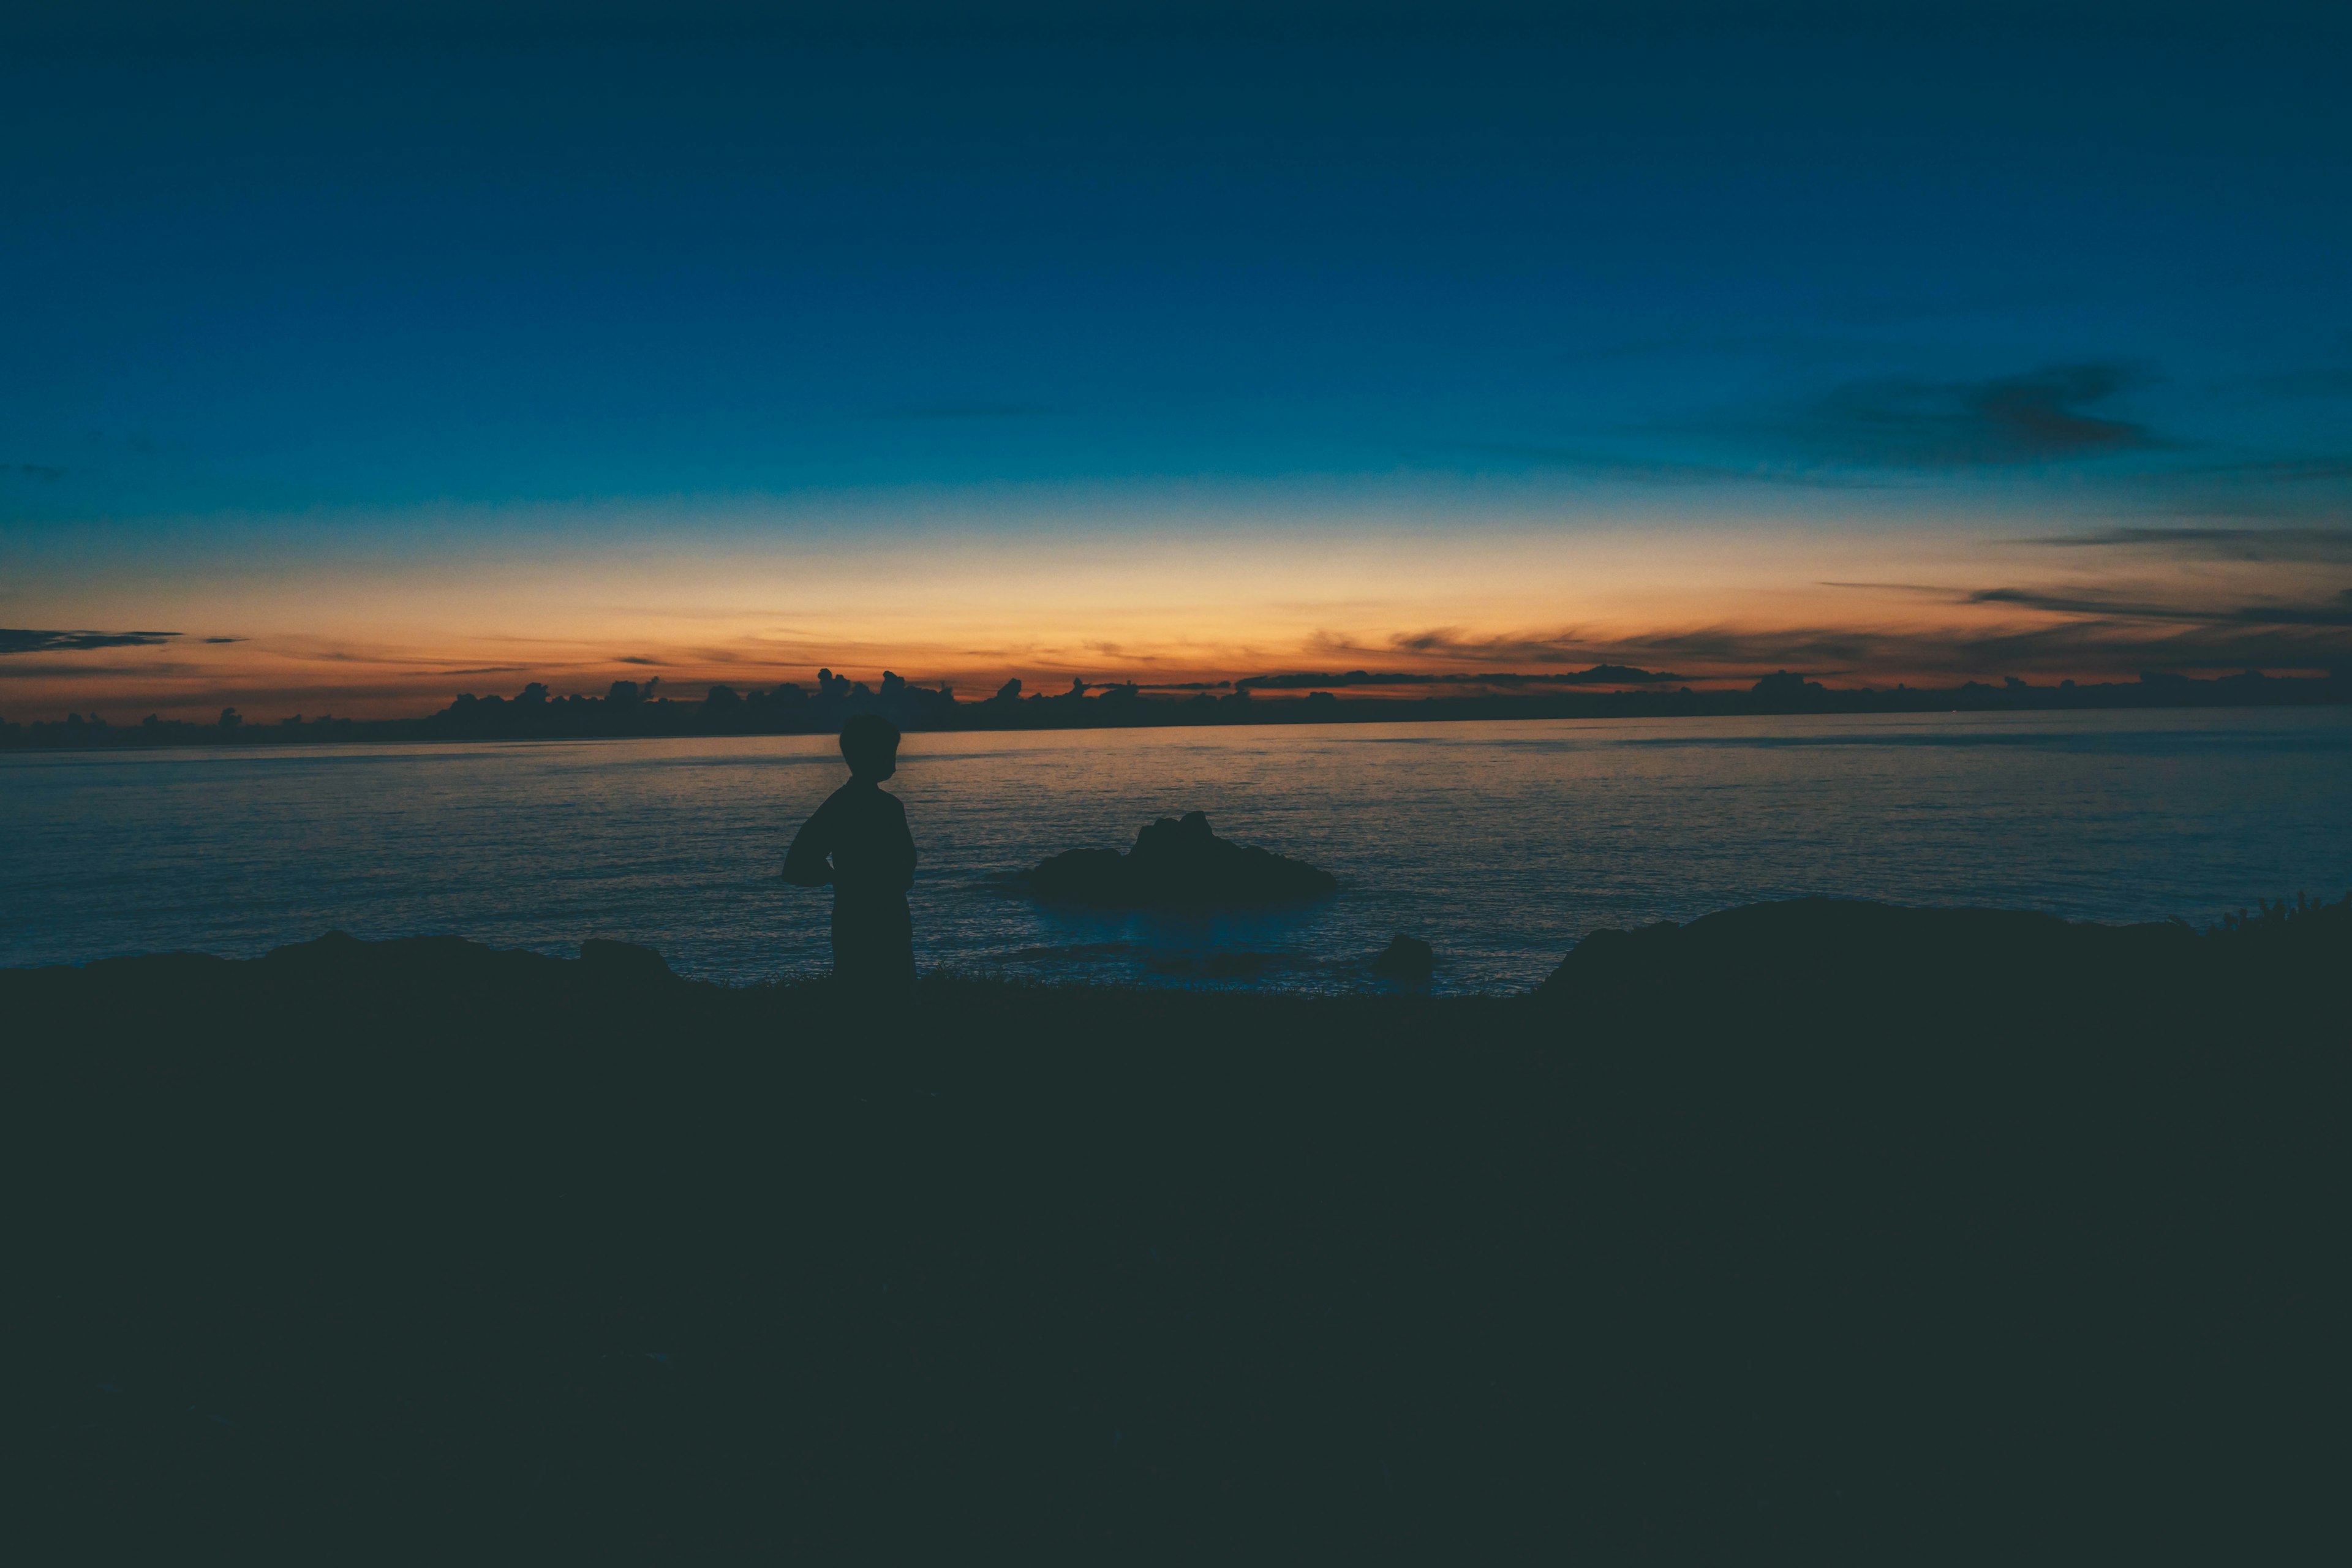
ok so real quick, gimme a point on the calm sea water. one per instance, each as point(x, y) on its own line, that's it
point(1500, 844)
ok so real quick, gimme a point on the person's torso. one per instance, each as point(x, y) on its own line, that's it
point(871, 851)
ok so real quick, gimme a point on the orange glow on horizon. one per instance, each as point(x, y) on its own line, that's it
point(282, 631)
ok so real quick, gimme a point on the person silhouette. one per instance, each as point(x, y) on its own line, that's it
point(858, 841)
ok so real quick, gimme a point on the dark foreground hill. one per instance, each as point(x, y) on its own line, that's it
point(1861, 1234)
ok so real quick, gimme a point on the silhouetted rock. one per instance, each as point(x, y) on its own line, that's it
point(1179, 864)
point(1406, 958)
point(1850, 955)
point(625, 961)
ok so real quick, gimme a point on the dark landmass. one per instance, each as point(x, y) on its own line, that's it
point(1599, 675)
point(630, 709)
point(1820, 1231)
point(1179, 864)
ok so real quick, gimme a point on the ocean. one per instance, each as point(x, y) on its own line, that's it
point(1500, 844)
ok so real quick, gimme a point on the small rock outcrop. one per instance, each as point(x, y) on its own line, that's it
point(1407, 959)
point(1179, 864)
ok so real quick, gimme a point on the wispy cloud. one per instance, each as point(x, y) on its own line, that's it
point(2043, 415)
point(1890, 431)
point(2313, 544)
point(2111, 605)
point(76, 672)
point(21, 640)
point(2080, 633)
point(2117, 647)
point(2092, 603)
point(1738, 647)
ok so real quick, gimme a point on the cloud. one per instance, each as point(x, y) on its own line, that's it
point(44, 671)
point(2102, 604)
point(2041, 416)
point(19, 640)
point(1739, 648)
point(1451, 643)
point(2118, 647)
point(2094, 603)
point(632, 659)
point(1599, 675)
point(2092, 635)
point(1891, 431)
point(223, 639)
point(2215, 544)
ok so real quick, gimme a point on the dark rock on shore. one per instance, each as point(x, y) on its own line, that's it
point(1817, 966)
point(1821, 949)
point(1179, 864)
point(626, 963)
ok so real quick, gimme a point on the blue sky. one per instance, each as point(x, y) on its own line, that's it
point(430, 340)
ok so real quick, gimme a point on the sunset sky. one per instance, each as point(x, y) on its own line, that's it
point(351, 365)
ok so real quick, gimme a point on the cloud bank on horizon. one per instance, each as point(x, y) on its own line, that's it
point(392, 352)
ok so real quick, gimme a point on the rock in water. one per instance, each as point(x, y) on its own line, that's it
point(1407, 959)
point(1180, 865)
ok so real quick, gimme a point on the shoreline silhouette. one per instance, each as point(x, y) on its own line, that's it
point(628, 710)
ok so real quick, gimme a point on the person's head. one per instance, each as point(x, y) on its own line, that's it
point(869, 744)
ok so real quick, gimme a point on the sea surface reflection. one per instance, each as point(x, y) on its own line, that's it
point(1498, 843)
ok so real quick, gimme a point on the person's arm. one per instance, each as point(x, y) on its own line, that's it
point(805, 863)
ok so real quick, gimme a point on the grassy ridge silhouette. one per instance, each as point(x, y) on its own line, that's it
point(1863, 1231)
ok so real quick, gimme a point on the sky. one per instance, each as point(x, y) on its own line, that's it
point(351, 361)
